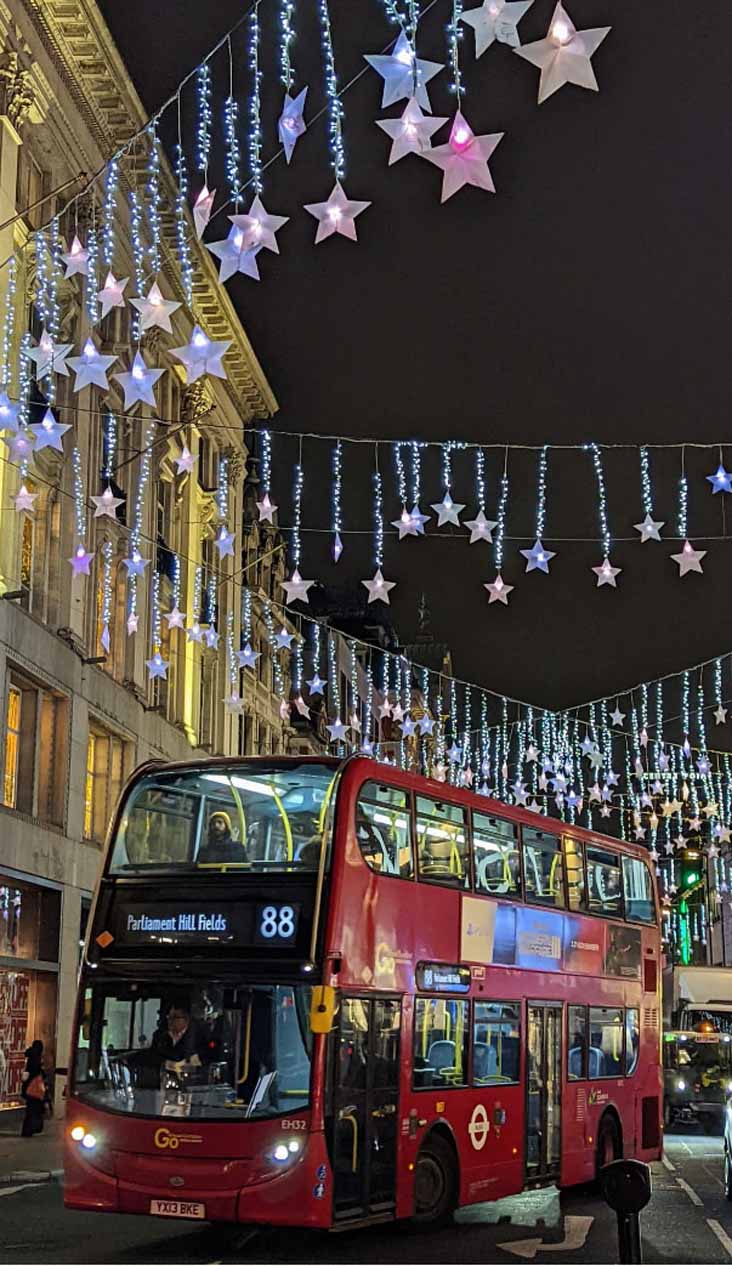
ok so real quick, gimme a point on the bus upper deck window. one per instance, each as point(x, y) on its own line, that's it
point(543, 869)
point(574, 862)
point(603, 882)
point(638, 890)
point(383, 829)
point(442, 842)
point(496, 856)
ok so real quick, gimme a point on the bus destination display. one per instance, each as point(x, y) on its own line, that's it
point(245, 923)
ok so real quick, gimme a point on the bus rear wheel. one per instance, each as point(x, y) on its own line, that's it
point(609, 1144)
point(435, 1183)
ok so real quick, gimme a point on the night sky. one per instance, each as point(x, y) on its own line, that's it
point(587, 300)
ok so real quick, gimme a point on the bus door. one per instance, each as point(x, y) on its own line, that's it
point(543, 1091)
point(366, 1107)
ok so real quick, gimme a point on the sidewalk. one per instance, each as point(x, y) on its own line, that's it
point(36, 1159)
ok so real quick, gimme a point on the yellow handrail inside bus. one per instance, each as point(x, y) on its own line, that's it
point(351, 1119)
point(240, 814)
point(285, 823)
point(247, 1044)
point(552, 873)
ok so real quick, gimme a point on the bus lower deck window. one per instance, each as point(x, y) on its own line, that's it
point(441, 1036)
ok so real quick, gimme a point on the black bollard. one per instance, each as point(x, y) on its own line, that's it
point(626, 1186)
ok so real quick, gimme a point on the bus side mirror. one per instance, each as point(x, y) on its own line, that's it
point(322, 1008)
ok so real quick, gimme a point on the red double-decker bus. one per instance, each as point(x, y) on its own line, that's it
point(326, 993)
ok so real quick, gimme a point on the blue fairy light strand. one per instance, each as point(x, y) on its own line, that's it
point(203, 133)
point(91, 281)
point(255, 108)
point(233, 155)
point(185, 258)
point(378, 520)
point(594, 449)
point(153, 198)
point(287, 36)
point(138, 255)
point(645, 473)
point(111, 185)
point(501, 524)
point(400, 474)
point(480, 477)
point(541, 495)
point(335, 107)
point(9, 324)
point(454, 36)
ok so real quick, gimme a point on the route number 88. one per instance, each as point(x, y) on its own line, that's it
point(277, 921)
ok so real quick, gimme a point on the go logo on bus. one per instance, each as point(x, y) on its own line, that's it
point(479, 1127)
point(164, 1139)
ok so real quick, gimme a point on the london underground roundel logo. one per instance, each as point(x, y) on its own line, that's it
point(478, 1127)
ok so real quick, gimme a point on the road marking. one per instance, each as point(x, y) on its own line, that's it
point(10, 1191)
point(721, 1235)
point(576, 1230)
point(668, 1164)
point(694, 1198)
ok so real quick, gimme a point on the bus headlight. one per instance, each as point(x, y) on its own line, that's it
point(78, 1133)
point(286, 1150)
point(281, 1153)
point(294, 1146)
point(89, 1141)
point(681, 1084)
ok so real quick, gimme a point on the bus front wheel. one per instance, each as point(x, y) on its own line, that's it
point(435, 1183)
point(609, 1144)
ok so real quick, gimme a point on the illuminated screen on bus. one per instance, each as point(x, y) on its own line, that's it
point(242, 817)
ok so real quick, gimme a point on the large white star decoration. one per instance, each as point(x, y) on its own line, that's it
point(650, 529)
point(538, 558)
point(50, 357)
point(464, 158)
point(405, 525)
point(283, 640)
point(155, 310)
point(708, 810)
point(532, 753)
point(138, 382)
point(723, 834)
point(404, 74)
point(176, 619)
point(448, 511)
point(495, 20)
point(302, 707)
point(135, 564)
point(563, 56)
point(185, 461)
point(157, 666)
point(378, 588)
point(8, 413)
point(481, 528)
point(233, 256)
point(202, 208)
point(133, 621)
point(617, 717)
point(202, 356)
point(259, 227)
point(266, 509)
point(419, 519)
point(212, 638)
point(411, 133)
point(498, 590)
point(595, 758)
point(247, 657)
point(397, 712)
point(315, 684)
point(80, 561)
point(194, 632)
point(49, 432)
point(408, 727)
point(720, 715)
point(384, 709)
point(606, 573)
point(224, 542)
point(20, 445)
point(106, 504)
point(296, 588)
point(367, 748)
point(354, 722)
point(24, 499)
point(605, 811)
point(721, 480)
point(703, 766)
point(91, 368)
point(337, 215)
point(454, 753)
point(426, 725)
point(112, 293)
point(337, 730)
point(689, 559)
point(76, 260)
point(291, 124)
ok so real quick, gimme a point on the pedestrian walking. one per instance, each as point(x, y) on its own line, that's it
point(33, 1090)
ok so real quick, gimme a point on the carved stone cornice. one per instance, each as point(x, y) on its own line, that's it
point(197, 402)
point(16, 90)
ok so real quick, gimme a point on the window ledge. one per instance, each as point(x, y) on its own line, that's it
point(33, 821)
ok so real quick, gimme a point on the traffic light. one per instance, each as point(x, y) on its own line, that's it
point(692, 870)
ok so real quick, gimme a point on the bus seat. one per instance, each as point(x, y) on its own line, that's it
point(574, 1062)
point(441, 1055)
point(597, 1062)
point(485, 1060)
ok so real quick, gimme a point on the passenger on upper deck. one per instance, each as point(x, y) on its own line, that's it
point(220, 846)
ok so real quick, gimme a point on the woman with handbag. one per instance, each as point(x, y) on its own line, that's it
point(33, 1090)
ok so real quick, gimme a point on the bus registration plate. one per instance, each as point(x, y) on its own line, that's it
point(177, 1209)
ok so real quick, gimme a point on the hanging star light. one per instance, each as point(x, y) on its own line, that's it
point(563, 56)
point(337, 215)
point(155, 310)
point(496, 20)
point(404, 74)
point(723, 834)
point(454, 754)
point(224, 542)
point(384, 709)
point(20, 445)
point(689, 559)
point(185, 461)
point(650, 529)
point(337, 730)
point(419, 519)
point(296, 588)
point(617, 717)
point(24, 499)
point(247, 657)
point(138, 383)
point(157, 666)
point(266, 509)
point(194, 632)
point(80, 561)
point(76, 261)
point(283, 640)
point(91, 368)
point(291, 124)
point(106, 504)
point(367, 748)
point(9, 413)
point(408, 727)
point(397, 712)
point(50, 357)
point(212, 638)
point(302, 707)
point(448, 511)
point(411, 133)
point(498, 591)
point(405, 525)
point(315, 684)
point(176, 619)
point(720, 715)
point(133, 621)
point(426, 725)
point(464, 159)
point(202, 208)
point(233, 257)
point(202, 356)
point(378, 588)
point(606, 573)
point(112, 293)
point(721, 480)
point(481, 528)
point(49, 432)
point(538, 558)
point(135, 564)
point(259, 227)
